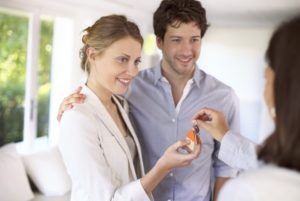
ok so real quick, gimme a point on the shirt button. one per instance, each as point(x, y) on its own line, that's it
point(171, 174)
point(173, 120)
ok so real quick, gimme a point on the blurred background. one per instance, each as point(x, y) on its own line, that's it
point(39, 60)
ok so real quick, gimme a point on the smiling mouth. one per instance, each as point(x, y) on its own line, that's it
point(124, 82)
point(186, 60)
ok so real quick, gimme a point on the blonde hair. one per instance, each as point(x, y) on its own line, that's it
point(104, 32)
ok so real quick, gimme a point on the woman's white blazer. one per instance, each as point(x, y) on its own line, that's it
point(96, 154)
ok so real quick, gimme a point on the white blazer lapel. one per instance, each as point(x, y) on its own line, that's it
point(103, 115)
point(123, 110)
point(111, 126)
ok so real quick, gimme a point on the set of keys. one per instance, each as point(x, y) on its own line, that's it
point(193, 136)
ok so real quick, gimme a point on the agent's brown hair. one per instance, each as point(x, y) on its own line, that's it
point(175, 12)
point(283, 56)
point(104, 32)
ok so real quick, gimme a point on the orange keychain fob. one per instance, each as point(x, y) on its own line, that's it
point(193, 136)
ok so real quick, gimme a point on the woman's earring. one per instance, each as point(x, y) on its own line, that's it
point(273, 112)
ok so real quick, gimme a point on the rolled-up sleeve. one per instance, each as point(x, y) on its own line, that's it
point(221, 169)
point(232, 114)
point(238, 151)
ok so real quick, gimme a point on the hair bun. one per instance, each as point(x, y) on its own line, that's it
point(86, 33)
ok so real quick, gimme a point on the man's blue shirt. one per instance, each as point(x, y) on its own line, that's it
point(158, 125)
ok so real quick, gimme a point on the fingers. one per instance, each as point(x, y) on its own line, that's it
point(195, 153)
point(202, 124)
point(174, 157)
point(206, 117)
point(66, 107)
point(62, 109)
point(180, 144)
point(78, 90)
point(58, 117)
point(190, 155)
point(74, 98)
point(216, 125)
point(68, 102)
point(205, 114)
point(199, 113)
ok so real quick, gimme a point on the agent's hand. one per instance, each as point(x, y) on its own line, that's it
point(68, 102)
point(212, 121)
point(173, 158)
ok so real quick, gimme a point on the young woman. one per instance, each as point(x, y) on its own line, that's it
point(98, 144)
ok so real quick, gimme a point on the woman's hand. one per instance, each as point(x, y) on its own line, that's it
point(173, 157)
point(212, 121)
point(68, 102)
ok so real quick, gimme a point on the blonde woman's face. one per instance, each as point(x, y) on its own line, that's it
point(269, 89)
point(114, 69)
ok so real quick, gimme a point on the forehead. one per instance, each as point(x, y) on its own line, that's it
point(126, 45)
point(183, 29)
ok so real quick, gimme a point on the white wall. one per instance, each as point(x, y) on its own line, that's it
point(235, 55)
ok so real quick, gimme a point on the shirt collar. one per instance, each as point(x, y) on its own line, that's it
point(157, 73)
point(198, 75)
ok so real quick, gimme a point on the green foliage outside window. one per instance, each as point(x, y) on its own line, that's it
point(13, 43)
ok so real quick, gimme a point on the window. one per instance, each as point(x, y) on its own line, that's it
point(13, 42)
point(26, 40)
point(152, 54)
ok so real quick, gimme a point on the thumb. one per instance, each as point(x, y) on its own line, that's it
point(180, 144)
point(203, 124)
point(78, 90)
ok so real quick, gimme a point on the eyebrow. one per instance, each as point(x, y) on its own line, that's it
point(124, 54)
point(175, 36)
point(198, 36)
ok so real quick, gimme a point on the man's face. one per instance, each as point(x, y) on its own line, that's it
point(180, 48)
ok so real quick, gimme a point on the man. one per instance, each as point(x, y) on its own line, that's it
point(163, 100)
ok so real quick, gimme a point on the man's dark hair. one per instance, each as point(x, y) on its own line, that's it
point(175, 12)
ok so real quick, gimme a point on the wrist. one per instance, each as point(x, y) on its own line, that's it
point(221, 135)
point(162, 167)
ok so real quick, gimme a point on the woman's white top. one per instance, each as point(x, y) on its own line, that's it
point(268, 183)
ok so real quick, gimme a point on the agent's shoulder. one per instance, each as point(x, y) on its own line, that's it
point(278, 183)
point(271, 172)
